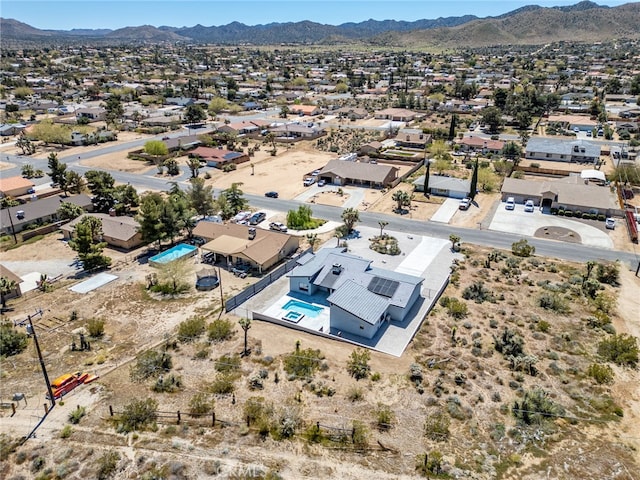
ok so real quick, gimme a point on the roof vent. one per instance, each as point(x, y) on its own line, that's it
point(336, 269)
point(252, 233)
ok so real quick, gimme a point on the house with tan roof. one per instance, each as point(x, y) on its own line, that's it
point(121, 232)
point(305, 110)
point(396, 115)
point(341, 172)
point(15, 186)
point(9, 275)
point(240, 244)
point(479, 144)
point(219, 157)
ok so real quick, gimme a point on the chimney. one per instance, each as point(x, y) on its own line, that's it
point(336, 269)
point(252, 233)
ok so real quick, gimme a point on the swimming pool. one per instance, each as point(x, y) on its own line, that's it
point(302, 308)
point(174, 253)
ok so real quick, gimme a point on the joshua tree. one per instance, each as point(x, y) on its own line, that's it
point(454, 239)
point(313, 240)
point(245, 323)
point(382, 224)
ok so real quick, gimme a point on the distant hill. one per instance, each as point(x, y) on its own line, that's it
point(584, 21)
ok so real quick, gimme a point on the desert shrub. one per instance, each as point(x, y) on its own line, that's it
point(37, 464)
point(536, 407)
point(524, 363)
point(436, 426)
point(255, 410)
point(167, 384)
point(95, 327)
point(375, 376)
point(359, 435)
point(358, 364)
point(66, 431)
point(228, 363)
point(191, 328)
point(138, 414)
point(428, 464)
point(107, 465)
point(454, 408)
point(12, 341)
point(220, 330)
point(521, 248)
point(384, 417)
point(552, 301)
point(223, 384)
point(608, 273)
point(76, 415)
point(600, 373)
point(355, 394)
point(302, 363)
point(591, 287)
point(543, 326)
point(620, 349)
point(509, 343)
point(478, 293)
point(603, 302)
point(455, 308)
point(150, 363)
point(201, 404)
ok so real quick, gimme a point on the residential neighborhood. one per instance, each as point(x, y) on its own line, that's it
point(330, 260)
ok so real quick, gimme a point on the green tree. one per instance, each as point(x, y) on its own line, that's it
point(194, 165)
point(473, 189)
point(234, 200)
point(101, 186)
point(149, 215)
point(25, 144)
point(452, 127)
point(313, 240)
point(492, 116)
point(73, 182)
point(21, 93)
point(125, 198)
point(358, 364)
point(194, 114)
point(156, 148)
point(12, 341)
point(513, 152)
point(69, 211)
point(86, 241)
point(621, 349)
point(382, 224)
point(200, 197)
point(350, 216)
point(217, 105)
point(427, 174)
point(48, 132)
point(57, 169)
point(114, 110)
point(6, 287)
point(402, 199)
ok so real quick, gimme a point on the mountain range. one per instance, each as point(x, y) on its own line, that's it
point(584, 21)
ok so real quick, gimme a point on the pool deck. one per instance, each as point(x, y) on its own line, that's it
point(427, 257)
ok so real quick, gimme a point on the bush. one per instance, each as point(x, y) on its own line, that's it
point(358, 364)
point(429, 463)
point(355, 394)
point(608, 273)
point(521, 248)
point(201, 404)
point(600, 373)
point(229, 167)
point(12, 341)
point(138, 414)
point(536, 408)
point(220, 330)
point(168, 384)
point(191, 328)
point(478, 293)
point(436, 426)
point(552, 301)
point(509, 343)
point(95, 327)
point(77, 414)
point(228, 363)
point(455, 308)
point(150, 363)
point(223, 384)
point(107, 465)
point(66, 431)
point(620, 349)
point(302, 363)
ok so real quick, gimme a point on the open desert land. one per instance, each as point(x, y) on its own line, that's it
point(451, 394)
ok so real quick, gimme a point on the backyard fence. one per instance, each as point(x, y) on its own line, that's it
point(264, 282)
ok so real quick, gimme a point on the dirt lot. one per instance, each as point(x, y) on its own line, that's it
point(470, 383)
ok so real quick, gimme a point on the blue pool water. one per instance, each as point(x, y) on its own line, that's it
point(174, 253)
point(302, 308)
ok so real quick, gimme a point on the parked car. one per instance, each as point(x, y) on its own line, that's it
point(309, 181)
point(529, 206)
point(465, 203)
point(610, 223)
point(241, 216)
point(278, 227)
point(321, 183)
point(271, 194)
point(256, 218)
point(510, 204)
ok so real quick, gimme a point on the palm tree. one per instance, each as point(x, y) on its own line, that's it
point(245, 323)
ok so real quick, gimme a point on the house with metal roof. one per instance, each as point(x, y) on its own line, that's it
point(562, 150)
point(361, 297)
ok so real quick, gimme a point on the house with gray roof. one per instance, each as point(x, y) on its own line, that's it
point(444, 186)
point(341, 172)
point(562, 150)
point(361, 297)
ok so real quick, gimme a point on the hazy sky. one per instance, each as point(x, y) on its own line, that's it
point(68, 14)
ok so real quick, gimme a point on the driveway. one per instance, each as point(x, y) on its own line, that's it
point(356, 195)
point(527, 223)
point(447, 210)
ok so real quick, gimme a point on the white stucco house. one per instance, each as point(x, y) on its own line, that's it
point(361, 297)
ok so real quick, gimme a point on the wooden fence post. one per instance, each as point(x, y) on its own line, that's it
point(13, 409)
point(46, 408)
point(213, 418)
point(178, 417)
point(110, 411)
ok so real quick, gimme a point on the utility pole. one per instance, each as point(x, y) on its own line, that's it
point(13, 229)
point(221, 294)
point(31, 331)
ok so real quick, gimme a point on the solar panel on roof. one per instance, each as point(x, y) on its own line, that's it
point(383, 286)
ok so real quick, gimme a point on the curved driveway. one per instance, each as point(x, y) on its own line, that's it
point(527, 223)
